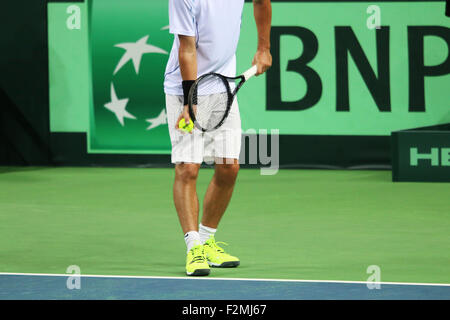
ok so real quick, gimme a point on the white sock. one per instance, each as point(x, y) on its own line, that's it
point(205, 232)
point(192, 238)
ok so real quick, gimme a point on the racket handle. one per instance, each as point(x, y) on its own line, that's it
point(250, 72)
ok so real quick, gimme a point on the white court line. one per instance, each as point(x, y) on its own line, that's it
point(231, 279)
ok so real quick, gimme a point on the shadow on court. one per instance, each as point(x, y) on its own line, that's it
point(4, 170)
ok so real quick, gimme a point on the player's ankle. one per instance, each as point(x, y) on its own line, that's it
point(205, 232)
point(192, 239)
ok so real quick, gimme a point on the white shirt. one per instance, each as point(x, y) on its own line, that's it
point(216, 24)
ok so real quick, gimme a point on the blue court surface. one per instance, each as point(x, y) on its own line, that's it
point(49, 287)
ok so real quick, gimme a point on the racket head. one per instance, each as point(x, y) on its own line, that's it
point(210, 99)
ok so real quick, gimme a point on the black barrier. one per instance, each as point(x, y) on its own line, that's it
point(24, 113)
point(421, 154)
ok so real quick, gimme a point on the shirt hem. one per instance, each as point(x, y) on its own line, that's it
point(174, 92)
point(183, 32)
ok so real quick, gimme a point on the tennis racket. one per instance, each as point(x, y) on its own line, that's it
point(211, 97)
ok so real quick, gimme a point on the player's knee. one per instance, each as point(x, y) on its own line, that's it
point(186, 172)
point(226, 173)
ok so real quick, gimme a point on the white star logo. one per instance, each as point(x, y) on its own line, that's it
point(118, 107)
point(134, 52)
point(158, 121)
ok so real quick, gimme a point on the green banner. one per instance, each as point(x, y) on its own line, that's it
point(130, 45)
point(69, 65)
point(310, 44)
point(346, 68)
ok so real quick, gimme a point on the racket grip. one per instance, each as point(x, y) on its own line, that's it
point(250, 72)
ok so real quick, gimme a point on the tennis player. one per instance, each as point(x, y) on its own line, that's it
point(206, 37)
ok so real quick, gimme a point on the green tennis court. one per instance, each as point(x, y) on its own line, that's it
point(297, 224)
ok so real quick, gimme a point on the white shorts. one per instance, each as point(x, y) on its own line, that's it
point(224, 142)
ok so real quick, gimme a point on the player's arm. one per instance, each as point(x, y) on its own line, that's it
point(187, 56)
point(263, 17)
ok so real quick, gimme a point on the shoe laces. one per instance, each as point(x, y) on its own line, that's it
point(215, 245)
point(198, 254)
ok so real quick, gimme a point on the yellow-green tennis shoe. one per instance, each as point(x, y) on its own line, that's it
point(217, 257)
point(196, 264)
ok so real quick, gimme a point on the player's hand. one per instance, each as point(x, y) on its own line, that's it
point(263, 60)
point(184, 114)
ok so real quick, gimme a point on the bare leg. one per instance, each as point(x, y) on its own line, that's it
point(219, 192)
point(185, 195)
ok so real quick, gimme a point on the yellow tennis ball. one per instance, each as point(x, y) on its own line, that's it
point(186, 127)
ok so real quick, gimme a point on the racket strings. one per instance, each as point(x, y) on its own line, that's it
point(210, 102)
